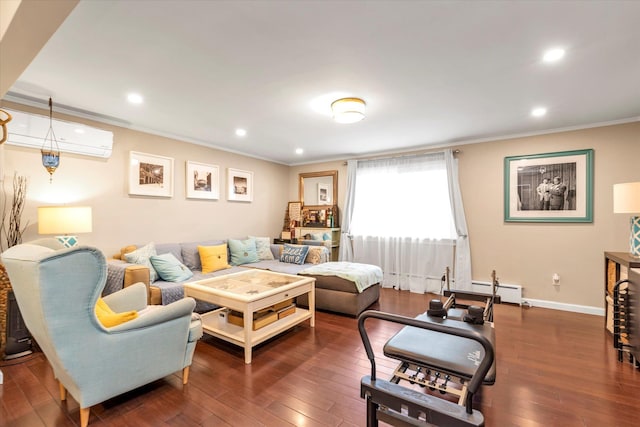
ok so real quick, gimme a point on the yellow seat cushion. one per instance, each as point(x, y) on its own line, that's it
point(110, 318)
point(213, 258)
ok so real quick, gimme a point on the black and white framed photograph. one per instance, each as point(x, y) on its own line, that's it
point(323, 194)
point(239, 185)
point(150, 175)
point(549, 187)
point(202, 180)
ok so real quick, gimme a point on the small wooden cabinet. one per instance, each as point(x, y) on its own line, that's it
point(616, 267)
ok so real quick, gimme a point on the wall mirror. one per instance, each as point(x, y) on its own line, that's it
point(319, 189)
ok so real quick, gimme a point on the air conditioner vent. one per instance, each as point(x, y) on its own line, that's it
point(29, 130)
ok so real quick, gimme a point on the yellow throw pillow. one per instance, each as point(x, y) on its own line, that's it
point(110, 318)
point(213, 258)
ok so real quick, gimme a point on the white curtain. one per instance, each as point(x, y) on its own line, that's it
point(462, 271)
point(400, 217)
point(407, 263)
point(346, 251)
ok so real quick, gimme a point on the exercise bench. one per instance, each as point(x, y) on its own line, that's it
point(430, 345)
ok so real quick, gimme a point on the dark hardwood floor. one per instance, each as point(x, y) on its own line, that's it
point(553, 369)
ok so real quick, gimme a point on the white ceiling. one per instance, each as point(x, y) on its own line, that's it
point(433, 73)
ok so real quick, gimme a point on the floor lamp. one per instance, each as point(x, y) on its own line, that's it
point(626, 199)
point(65, 222)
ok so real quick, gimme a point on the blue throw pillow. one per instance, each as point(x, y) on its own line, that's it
point(294, 254)
point(169, 268)
point(142, 256)
point(243, 251)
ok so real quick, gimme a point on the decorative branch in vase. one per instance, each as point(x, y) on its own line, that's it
point(11, 228)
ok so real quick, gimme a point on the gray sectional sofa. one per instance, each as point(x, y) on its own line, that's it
point(332, 293)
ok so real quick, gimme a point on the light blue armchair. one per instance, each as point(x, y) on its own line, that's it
point(57, 289)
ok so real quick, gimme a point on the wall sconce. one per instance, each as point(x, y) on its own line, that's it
point(626, 199)
point(50, 156)
point(348, 110)
point(65, 221)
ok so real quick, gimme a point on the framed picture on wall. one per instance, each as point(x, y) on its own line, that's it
point(323, 194)
point(549, 187)
point(239, 185)
point(202, 181)
point(150, 175)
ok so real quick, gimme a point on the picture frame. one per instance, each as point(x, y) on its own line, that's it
point(239, 185)
point(323, 194)
point(150, 175)
point(549, 187)
point(202, 181)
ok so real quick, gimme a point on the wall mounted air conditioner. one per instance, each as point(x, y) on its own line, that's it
point(29, 130)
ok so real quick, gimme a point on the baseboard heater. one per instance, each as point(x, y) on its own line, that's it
point(508, 292)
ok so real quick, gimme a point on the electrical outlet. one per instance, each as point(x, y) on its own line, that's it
point(555, 279)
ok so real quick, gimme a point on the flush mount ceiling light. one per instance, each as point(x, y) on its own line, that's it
point(348, 110)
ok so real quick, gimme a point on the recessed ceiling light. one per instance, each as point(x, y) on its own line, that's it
point(135, 98)
point(79, 130)
point(553, 55)
point(538, 112)
point(299, 151)
point(241, 132)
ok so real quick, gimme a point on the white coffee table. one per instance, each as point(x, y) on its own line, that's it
point(248, 292)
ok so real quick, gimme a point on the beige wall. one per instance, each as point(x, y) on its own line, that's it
point(529, 253)
point(120, 219)
point(521, 253)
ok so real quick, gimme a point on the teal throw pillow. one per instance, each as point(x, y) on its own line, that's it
point(326, 236)
point(170, 269)
point(294, 254)
point(141, 256)
point(263, 247)
point(243, 251)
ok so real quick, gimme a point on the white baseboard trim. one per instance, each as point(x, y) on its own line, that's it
point(586, 309)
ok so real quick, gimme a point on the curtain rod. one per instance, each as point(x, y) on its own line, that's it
point(455, 152)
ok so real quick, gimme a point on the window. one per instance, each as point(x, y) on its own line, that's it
point(403, 197)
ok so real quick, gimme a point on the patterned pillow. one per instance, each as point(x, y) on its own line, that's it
point(141, 256)
point(243, 251)
point(294, 254)
point(169, 268)
point(263, 247)
point(213, 258)
point(314, 256)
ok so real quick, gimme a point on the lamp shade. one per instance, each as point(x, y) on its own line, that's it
point(64, 219)
point(626, 197)
point(348, 110)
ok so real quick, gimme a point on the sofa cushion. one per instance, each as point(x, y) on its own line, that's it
point(263, 247)
point(294, 254)
point(191, 255)
point(243, 251)
point(141, 256)
point(213, 258)
point(170, 248)
point(314, 255)
point(169, 268)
